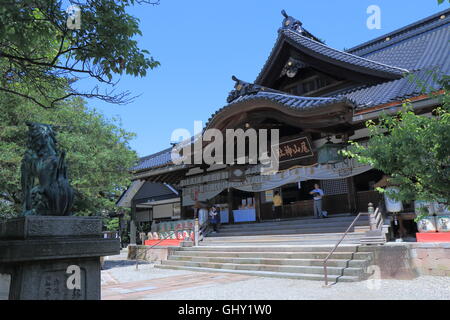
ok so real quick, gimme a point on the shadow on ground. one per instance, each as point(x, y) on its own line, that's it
point(110, 264)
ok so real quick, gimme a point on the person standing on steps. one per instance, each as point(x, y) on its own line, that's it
point(214, 218)
point(317, 194)
point(277, 206)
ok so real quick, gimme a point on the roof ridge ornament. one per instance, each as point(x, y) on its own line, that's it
point(295, 25)
point(291, 23)
point(242, 88)
point(291, 67)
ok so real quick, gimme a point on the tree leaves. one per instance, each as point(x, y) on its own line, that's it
point(38, 48)
point(413, 149)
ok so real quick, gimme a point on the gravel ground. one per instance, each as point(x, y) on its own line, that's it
point(422, 288)
point(259, 288)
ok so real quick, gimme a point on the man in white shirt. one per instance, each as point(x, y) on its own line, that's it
point(318, 194)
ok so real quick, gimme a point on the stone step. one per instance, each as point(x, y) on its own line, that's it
point(309, 220)
point(290, 223)
point(277, 242)
point(300, 276)
point(350, 271)
point(285, 237)
point(342, 263)
point(373, 241)
point(281, 248)
point(294, 230)
point(277, 255)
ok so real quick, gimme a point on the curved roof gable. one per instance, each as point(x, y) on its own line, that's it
point(343, 59)
point(294, 34)
point(296, 106)
point(245, 91)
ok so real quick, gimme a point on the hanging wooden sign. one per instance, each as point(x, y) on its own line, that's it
point(294, 149)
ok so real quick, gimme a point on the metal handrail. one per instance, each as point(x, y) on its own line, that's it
point(154, 245)
point(335, 247)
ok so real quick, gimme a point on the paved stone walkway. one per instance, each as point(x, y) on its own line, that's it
point(121, 281)
point(152, 289)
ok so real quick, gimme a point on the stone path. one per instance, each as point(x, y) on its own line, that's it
point(121, 281)
point(185, 285)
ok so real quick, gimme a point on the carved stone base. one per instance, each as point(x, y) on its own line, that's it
point(53, 258)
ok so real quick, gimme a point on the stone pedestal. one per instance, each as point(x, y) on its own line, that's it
point(53, 258)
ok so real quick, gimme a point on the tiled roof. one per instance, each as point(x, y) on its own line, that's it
point(290, 101)
point(155, 191)
point(343, 58)
point(293, 32)
point(423, 47)
point(141, 191)
point(163, 158)
point(414, 29)
point(418, 47)
point(158, 159)
point(430, 48)
point(392, 91)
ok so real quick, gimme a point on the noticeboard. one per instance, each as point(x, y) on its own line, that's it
point(294, 149)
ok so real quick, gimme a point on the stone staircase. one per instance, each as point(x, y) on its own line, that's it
point(286, 249)
point(296, 262)
point(290, 232)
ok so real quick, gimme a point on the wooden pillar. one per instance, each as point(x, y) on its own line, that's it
point(132, 223)
point(230, 205)
point(351, 195)
point(183, 213)
point(258, 206)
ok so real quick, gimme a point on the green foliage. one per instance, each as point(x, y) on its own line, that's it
point(423, 213)
point(414, 150)
point(40, 59)
point(112, 224)
point(98, 153)
point(39, 51)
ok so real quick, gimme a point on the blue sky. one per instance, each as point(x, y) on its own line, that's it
point(202, 43)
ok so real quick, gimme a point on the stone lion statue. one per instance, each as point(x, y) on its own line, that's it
point(45, 187)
